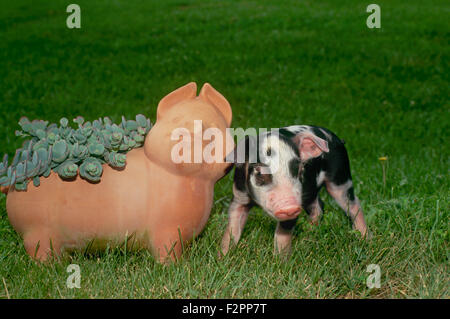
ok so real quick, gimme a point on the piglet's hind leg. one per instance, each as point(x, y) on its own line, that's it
point(315, 210)
point(347, 200)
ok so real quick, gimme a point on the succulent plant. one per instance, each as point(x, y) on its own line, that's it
point(79, 152)
point(117, 160)
point(60, 151)
point(91, 169)
point(96, 149)
point(69, 151)
point(67, 169)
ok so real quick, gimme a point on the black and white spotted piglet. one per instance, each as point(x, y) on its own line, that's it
point(282, 171)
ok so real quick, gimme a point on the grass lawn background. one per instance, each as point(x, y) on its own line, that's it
point(384, 91)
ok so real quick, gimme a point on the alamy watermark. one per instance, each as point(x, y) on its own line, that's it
point(74, 279)
point(374, 279)
point(190, 148)
point(73, 21)
point(374, 19)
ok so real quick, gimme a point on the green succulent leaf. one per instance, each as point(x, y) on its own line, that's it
point(23, 120)
point(21, 134)
point(131, 143)
point(42, 144)
point(65, 132)
point(21, 186)
point(52, 137)
point(60, 151)
point(97, 124)
point(41, 134)
point(80, 138)
point(36, 181)
point(138, 138)
point(117, 159)
point(131, 125)
point(28, 128)
point(4, 181)
point(39, 125)
point(32, 169)
point(64, 122)
point(47, 172)
point(141, 131)
point(116, 139)
point(141, 120)
point(79, 120)
point(96, 149)
point(123, 147)
point(12, 178)
point(91, 169)
point(42, 154)
point(87, 129)
point(79, 152)
point(107, 121)
point(20, 169)
point(67, 170)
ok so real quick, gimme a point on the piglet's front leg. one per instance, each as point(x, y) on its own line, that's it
point(237, 217)
point(283, 237)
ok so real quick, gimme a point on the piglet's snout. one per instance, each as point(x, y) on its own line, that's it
point(284, 207)
point(288, 212)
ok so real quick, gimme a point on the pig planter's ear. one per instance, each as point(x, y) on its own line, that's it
point(189, 91)
point(209, 94)
point(310, 145)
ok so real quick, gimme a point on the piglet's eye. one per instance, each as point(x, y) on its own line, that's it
point(262, 179)
point(300, 171)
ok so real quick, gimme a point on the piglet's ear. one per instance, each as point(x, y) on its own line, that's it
point(310, 145)
point(211, 95)
point(189, 91)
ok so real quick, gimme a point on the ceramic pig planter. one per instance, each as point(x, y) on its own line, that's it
point(153, 200)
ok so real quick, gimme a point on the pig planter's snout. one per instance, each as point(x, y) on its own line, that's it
point(162, 202)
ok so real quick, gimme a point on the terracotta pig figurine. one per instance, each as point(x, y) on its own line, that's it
point(154, 202)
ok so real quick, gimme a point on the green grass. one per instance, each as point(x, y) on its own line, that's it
point(385, 91)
